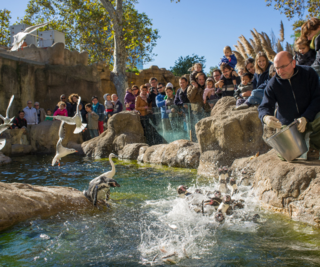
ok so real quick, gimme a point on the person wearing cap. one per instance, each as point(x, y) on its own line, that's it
point(99, 109)
point(161, 103)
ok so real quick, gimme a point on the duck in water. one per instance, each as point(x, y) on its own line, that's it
point(99, 190)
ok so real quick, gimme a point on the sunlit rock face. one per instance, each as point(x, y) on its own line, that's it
point(23, 201)
point(289, 188)
point(131, 151)
point(123, 128)
point(180, 153)
point(228, 134)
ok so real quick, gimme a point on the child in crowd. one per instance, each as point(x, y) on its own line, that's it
point(244, 89)
point(241, 71)
point(209, 93)
point(108, 105)
point(92, 119)
point(129, 99)
point(49, 113)
point(196, 68)
point(303, 54)
point(61, 111)
point(230, 59)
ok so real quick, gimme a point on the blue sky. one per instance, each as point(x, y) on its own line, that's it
point(202, 27)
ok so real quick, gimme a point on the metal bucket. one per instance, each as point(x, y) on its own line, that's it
point(289, 142)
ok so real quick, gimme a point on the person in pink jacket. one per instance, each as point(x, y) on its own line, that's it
point(61, 111)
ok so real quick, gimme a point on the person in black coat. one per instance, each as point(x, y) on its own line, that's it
point(19, 121)
point(153, 92)
point(117, 105)
point(296, 89)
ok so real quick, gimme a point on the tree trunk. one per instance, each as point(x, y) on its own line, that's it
point(118, 74)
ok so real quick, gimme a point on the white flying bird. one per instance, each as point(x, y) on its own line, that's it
point(19, 37)
point(75, 120)
point(2, 143)
point(7, 120)
point(61, 151)
point(4, 127)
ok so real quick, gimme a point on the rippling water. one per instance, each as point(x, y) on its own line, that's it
point(146, 219)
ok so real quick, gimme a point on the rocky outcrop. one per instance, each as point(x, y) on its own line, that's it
point(20, 202)
point(44, 136)
point(4, 159)
point(180, 153)
point(123, 128)
point(289, 188)
point(131, 151)
point(227, 135)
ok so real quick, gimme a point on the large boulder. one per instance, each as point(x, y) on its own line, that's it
point(131, 151)
point(228, 134)
point(44, 136)
point(20, 202)
point(123, 128)
point(180, 153)
point(289, 188)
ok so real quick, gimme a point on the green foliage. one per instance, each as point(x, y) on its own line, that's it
point(4, 27)
point(87, 26)
point(183, 64)
point(211, 70)
point(293, 8)
point(133, 70)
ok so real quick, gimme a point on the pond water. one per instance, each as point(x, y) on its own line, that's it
point(146, 219)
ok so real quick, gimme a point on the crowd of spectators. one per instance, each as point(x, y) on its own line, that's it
point(251, 85)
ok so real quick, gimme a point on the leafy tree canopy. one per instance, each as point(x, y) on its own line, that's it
point(87, 26)
point(211, 70)
point(4, 27)
point(183, 64)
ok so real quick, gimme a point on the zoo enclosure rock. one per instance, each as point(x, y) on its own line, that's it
point(289, 188)
point(131, 151)
point(227, 135)
point(123, 128)
point(20, 202)
point(180, 153)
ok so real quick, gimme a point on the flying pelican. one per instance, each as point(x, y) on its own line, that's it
point(2, 143)
point(108, 174)
point(75, 120)
point(7, 120)
point(61, 151)
point(19, 37)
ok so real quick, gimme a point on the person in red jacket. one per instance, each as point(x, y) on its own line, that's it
point(61, 111)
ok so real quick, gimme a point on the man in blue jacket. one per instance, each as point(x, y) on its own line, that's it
point(161, 103)
point(296, 89)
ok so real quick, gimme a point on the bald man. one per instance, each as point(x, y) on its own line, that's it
point(296, 89)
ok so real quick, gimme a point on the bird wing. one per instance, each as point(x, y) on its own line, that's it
point(68, 120)
point(61, 131)
point(79, 101)
point(17, 40)
point(1, 117)
point(4, 127)
point(35, 27)
point(9, 106)
point(2, 143)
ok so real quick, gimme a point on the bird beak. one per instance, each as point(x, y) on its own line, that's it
point(76, 151)
point(207, 202)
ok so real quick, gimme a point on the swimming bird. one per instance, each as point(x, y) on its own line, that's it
point(75, 120)
point(108, 174)
point(234, 186)
point(225, 204)
point(182, 191)
point(99, 189)
point(223, 187)
point(2, 143)
point(61, 151)
point(7, 120)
